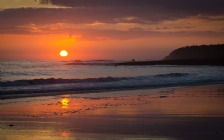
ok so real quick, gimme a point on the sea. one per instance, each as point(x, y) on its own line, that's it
point(27, 78)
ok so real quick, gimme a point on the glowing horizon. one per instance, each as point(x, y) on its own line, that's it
point(113, 30)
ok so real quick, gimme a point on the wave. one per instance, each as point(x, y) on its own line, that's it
point(63, 81)
point(173, 75)
point(51, 86)
point(92, 62)
point(56, 81)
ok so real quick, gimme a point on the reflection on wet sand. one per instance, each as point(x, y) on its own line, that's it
point(65, 103)
point(64, 134)
point(168, 113)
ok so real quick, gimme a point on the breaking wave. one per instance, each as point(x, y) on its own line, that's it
point(52, 86)
point(63, 81)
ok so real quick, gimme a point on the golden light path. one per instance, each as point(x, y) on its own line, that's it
point(63, 53)
point(64, 103)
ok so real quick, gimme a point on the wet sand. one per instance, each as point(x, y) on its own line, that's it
point(194, 112)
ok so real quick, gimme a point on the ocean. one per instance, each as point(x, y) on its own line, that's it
point(26, 78)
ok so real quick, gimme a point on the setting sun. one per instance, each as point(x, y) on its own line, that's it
point(63, 53)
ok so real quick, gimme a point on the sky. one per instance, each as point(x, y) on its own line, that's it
point(107, 29)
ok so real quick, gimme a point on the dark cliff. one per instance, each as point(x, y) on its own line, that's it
point(190, 55)
point(197, 52)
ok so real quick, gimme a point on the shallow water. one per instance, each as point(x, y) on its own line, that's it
point(39, 78)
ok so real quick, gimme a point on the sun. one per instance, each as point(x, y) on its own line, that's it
point(63, 53)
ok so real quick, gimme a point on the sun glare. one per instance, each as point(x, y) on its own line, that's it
point(63, 53)
point(65, 103)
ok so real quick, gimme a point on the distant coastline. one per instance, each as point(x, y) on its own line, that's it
point(190, 55)
point(214, 62)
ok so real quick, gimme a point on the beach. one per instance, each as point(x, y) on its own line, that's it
point(189, 112)
point(111, 70)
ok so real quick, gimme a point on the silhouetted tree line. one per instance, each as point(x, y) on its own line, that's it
point(189, 55)
point(198, 52)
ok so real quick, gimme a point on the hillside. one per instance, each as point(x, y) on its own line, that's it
point(197, 52)
point(190, 55)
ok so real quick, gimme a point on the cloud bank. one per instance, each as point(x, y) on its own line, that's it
point(145, 17)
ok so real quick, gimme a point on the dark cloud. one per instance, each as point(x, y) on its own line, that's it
point(15, 17)
point(188, 6)
point(98, 34)
point(87, 11)
point(109, 11)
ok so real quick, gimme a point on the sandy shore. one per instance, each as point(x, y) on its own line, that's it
point(194, 112)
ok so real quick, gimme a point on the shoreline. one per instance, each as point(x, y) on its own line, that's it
point(194, 62)
point(58, 93)
point(193, 112)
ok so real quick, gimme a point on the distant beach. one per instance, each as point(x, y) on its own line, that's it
point(199, 62)
point(194, 112)
point(190, 55)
